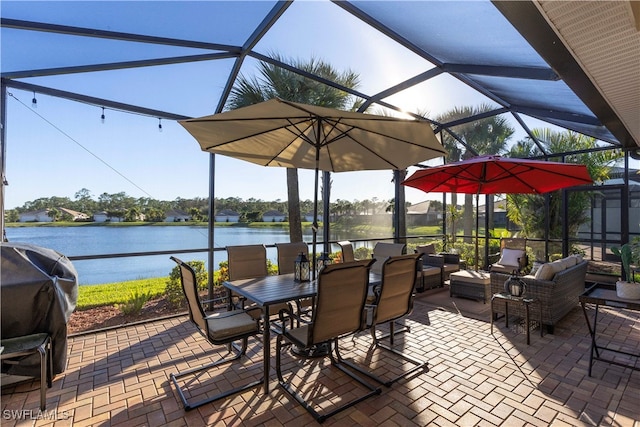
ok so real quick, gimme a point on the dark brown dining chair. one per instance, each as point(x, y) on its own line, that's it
point(382, 251)
point(394, 300)
point(287, 254)
point(348, 254)
point(246, 262)
point(338, 311)
point(218, 328)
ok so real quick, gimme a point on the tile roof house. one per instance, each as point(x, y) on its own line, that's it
point(309, 217)
point(175, 215)
point(273, 216)
point(423, 213)
point(227, 215)
point(77, 216)
point(41, 215)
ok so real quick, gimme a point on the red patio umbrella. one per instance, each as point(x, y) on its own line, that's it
point(497, 175)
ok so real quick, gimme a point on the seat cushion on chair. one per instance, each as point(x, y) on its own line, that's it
point(230, 323)
point(450, 268)
point(430, 271)
point(299, 336)
point(506, 269)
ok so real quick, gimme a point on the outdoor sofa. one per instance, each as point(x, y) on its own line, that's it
point(556, 286)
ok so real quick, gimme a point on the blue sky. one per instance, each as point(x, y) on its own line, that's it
point(61, 146)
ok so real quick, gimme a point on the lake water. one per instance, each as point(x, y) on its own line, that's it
point(76, 241)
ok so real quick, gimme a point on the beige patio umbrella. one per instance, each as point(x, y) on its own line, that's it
point(292, 135)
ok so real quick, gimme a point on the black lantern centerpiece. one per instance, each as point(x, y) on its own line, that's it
point(515, 286)
point(322, 260)
point(301, 269)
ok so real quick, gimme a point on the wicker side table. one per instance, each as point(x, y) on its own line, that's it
point(507, 298)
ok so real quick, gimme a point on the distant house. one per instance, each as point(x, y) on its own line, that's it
point(41, 215)
point(175, 215)
point(77, 216)
point(227, 215)
point(104, 217)
point(423, 214)
point(308, 217)
point(499, 215)
point(273, 216)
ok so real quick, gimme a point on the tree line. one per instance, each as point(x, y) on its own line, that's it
point(128, 208)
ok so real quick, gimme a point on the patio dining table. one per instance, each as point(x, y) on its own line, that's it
point(268, 290)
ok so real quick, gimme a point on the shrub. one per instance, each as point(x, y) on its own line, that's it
point(362, 253)
point(136, 301)
point(173, 290)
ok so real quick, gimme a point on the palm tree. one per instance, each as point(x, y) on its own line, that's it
point(480, 137)
point(273, 82)
point(54, 214)
point(524, 209)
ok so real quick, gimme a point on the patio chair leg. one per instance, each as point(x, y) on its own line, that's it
point(236, 355)
point(392, 332)
point(320, 418)
point(418, 364)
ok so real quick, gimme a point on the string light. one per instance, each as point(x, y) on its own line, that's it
point(159, 124)
point(34, 101)
point(102, 116)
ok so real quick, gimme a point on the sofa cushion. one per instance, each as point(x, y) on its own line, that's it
point(510, 256)
point(558, 265)
point(545, 272)
point(535, 267)
point(505, 269)
point(576, 257)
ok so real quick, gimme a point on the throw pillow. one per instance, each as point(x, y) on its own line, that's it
point(558, 266)
point(577, 257)
point(545, 272)
point(535, 267)
point(510, 256)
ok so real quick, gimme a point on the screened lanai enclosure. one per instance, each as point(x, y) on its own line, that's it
point(540, 68)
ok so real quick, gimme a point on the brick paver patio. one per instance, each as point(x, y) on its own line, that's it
point(120, 377)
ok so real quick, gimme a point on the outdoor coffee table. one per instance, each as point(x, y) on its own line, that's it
point(470, 284)
point(507, 298)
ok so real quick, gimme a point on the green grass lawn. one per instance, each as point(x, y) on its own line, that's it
point(90, 296)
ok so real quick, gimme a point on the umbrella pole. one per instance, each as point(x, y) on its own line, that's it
point(314, 227)
point(477, 225)
point(315, 209)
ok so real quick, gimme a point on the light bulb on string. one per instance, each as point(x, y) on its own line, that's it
point(34, 101)
point(159, 124)
point(102, 116)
